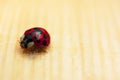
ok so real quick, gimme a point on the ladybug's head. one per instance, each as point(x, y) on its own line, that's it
point(26, 41)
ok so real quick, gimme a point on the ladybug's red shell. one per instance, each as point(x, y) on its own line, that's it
point(39, 36)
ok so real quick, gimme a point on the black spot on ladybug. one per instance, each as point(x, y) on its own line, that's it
point(38, 41)
point(29, 30)
point(45, 36)
point(44, 43)
point(35, 37)
point(37, 29)
point(32, 33)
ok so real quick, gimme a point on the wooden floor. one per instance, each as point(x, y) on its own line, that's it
point(85, 39)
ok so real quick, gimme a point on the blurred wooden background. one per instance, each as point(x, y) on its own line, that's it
point(85, 40)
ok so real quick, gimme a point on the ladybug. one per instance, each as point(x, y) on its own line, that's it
point(35, 37)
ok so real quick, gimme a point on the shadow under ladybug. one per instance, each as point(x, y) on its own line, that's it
point(35, 50)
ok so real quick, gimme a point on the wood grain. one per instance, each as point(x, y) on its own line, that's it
point(85, 41)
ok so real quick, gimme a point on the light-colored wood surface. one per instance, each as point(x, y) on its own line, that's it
point(85, 40)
